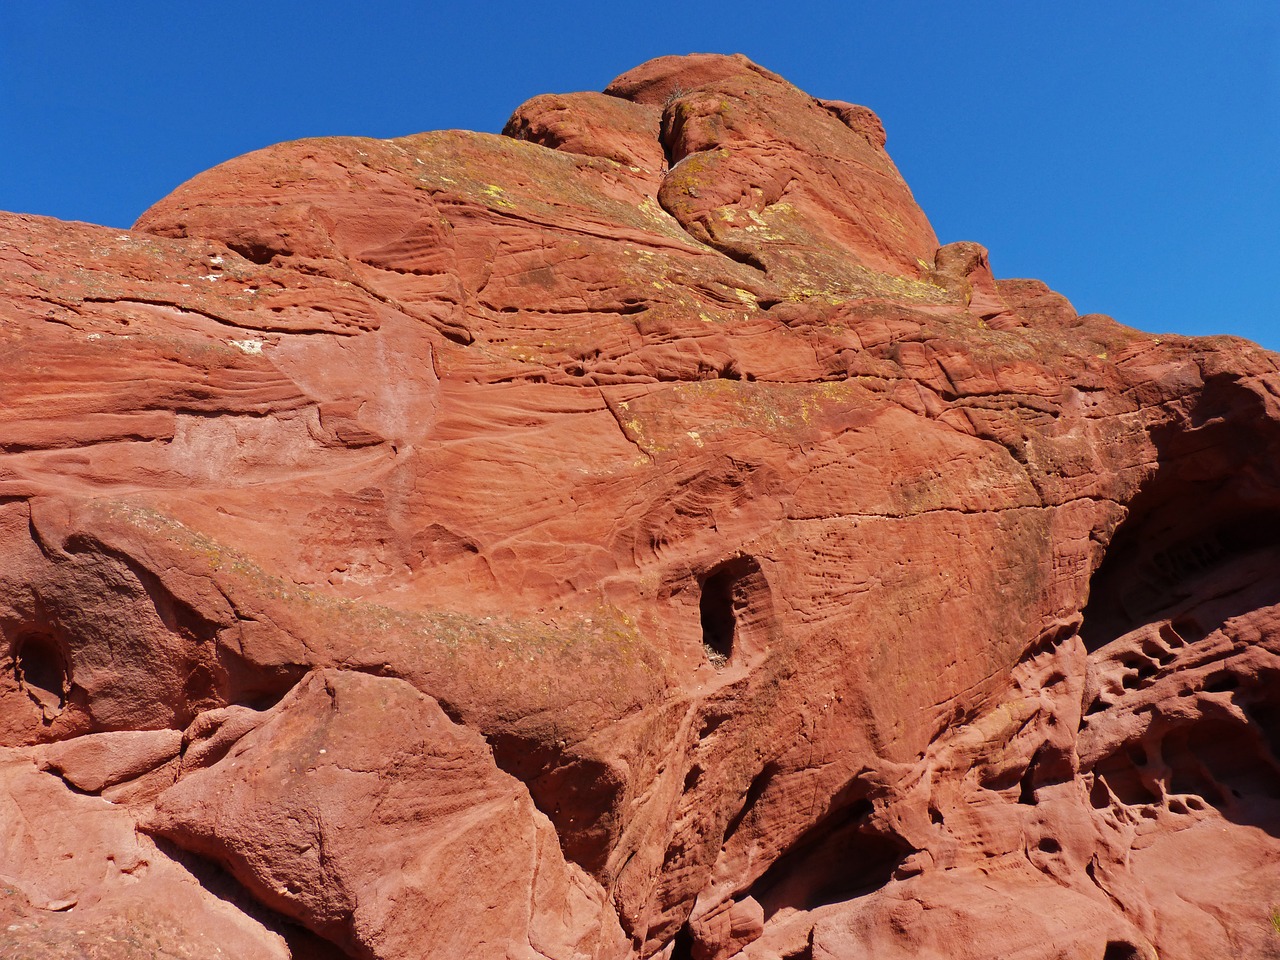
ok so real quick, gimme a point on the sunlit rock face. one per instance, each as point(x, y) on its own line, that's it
point(630, 536)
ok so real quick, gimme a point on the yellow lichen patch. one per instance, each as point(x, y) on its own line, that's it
point(705, 412)
point(497, 195)
point(650, 207)
point(607, 632)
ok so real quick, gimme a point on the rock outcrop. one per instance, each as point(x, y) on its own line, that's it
point(631, 536)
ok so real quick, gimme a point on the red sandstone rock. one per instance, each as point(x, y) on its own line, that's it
point(77, 880)
point(97, 761)
point(305, 815)
point(629, 537)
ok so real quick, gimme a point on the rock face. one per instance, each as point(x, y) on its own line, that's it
point(631, 536)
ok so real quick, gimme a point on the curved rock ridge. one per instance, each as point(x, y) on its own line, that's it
point(631, 536)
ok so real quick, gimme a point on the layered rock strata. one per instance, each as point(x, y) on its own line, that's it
point(632, 536)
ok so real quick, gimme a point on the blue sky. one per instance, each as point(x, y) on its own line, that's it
point(1125, 153)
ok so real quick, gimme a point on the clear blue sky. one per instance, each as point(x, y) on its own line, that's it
point(1124, 152)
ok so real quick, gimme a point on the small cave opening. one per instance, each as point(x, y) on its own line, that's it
point(1161, 558)
point(1124, 780)
point(1228, 753)
point(1264, 713)
point(579, 795)
point(843, 855)
point(733, 602)
point(1047, 766)
point(1199, 529)
point(692, 777)
point(1221, 682)
point(1120, 950)
point(1027, 782)
point(41, 669)
point(255, 251)
point(682, 946)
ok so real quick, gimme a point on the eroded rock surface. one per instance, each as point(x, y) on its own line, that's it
point(630, 536)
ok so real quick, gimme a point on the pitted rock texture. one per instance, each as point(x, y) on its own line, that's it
point(630, 536)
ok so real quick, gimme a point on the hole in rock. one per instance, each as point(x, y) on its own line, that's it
point(1221, 682)
point(1027, 784)
point(712, 721)
point(1099, 797)
point(1234, 755)
point(1213, 501)
point(39, 663)
point(682, 947)
point(1048, 765)
point(1188, 630)
point(259, 688)
point(1121, 776)
point(580, 798)
point(841, 856)
point(258, 253)
point(1119, 950)
point(1170, 634)
point(579, 795)
point(734, 605)
point(1097, 706)
point(1051, 639)
point(1049, 845)
point(1265, 714)
point(40, 669)
point(935, 815)
point(692, 777)
point(1189, 776)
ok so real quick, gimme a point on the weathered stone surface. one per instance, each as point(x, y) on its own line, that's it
point(94, 762)
point(77, 880)
point(633, 536)
point(361, 783)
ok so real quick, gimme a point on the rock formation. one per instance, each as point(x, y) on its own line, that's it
point(631, 536)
